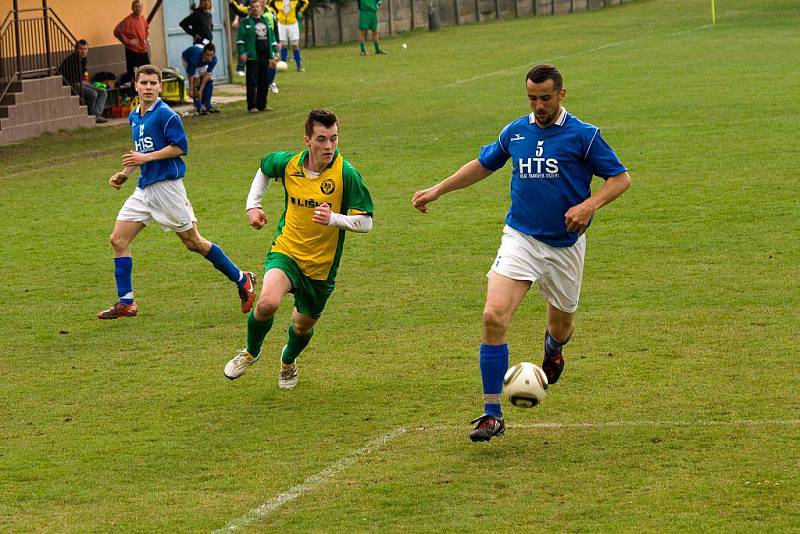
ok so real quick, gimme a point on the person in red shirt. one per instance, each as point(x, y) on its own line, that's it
point(133, 32)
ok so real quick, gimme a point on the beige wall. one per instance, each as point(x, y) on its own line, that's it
point(93, 20)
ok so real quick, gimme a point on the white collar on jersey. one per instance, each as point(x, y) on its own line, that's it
point(562, 118)
point(158, 99)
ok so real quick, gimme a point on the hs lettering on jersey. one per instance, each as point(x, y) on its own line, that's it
point(538, 166)
point(143, 144)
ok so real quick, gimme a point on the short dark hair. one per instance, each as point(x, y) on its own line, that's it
point(147, 69)
point(544, 72)
point(323, 116)
point(209, 46)
point(81, 42)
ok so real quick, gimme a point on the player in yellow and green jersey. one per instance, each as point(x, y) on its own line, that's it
point(324, 196)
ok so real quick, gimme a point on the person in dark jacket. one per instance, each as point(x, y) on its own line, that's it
point(199, 24)
point(74, 71)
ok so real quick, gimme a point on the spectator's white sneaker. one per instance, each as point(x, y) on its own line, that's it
point(239, 364)
point(273, 87)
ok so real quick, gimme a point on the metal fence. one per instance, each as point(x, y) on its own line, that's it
point(333, 23)
point(33, 43)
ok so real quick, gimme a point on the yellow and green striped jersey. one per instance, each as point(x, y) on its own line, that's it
point(314, 247)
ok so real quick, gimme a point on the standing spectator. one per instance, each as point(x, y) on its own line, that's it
point(199, 24)
point(199, 62)
point(368, 20)
point(256, 44)
point(238, 10)
point(74, 70)
point(133, 32)
point(288, 12)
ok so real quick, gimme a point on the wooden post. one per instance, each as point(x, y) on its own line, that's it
point(391, 26)
point(455, 10)
point(552, 7)
point(477, 10)
point(411, 3)
point(497, 9)
point(516, 9)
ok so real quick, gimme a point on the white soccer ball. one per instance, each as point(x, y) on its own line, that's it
point(405, 45)
point(281, 66)
point(525, 385)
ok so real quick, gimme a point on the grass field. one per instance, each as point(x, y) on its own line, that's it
point(678, 409)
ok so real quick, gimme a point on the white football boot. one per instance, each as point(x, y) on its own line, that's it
point(239, 364)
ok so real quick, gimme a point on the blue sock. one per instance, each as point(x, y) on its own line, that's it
point(122, 272)
point(494, 364)
point(297, 57)
point(271, 73)
point(197, 105)
point(284, 53)
point(208, 90)
point(552, 346)
point(225, 265)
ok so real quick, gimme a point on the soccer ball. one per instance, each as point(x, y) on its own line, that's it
point(281, 66)
point(525, 385)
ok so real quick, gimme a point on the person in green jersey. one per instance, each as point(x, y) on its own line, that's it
point(368, 20)
point(324, 196)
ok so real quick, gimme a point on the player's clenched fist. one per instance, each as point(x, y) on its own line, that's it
point(322, 214)
point(257, 217)
point(421, 199)
point(117, 179)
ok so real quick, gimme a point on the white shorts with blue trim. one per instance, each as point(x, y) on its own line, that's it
point(558, 270)
point(164, 202)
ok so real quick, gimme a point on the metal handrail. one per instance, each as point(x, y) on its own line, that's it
point(40, 43)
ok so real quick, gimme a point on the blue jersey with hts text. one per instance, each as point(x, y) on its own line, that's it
point(159, 127)
point(552, 171)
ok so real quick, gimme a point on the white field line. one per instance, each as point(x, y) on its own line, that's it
point(518, 68)
point(309, 484)
point(225, 131)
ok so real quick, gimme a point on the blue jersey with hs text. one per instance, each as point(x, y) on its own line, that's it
point(159, 127)
point(552, 171)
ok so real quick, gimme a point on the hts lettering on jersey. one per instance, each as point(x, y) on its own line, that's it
point(538, 167)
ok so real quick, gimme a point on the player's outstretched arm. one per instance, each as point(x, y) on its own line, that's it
point(361, 223)
point(469, 174)
point(577, 217)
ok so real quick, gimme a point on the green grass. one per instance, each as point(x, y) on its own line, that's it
point(688, 312)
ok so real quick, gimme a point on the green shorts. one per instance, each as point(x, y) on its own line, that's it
point(368, 20)
point(310, 295)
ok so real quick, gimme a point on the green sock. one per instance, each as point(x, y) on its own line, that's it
point(363, 47)
point(295, 345)
point(256, 332)
point(377, 46)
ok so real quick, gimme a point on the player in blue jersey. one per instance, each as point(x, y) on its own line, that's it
point(159, 142)
point(554, 156)
point(199, 61)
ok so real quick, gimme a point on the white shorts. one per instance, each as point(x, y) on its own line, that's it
point(289, 33)
point(164, 202)
point(559, 270)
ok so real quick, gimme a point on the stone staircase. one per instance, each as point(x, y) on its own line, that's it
point(35, 106)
